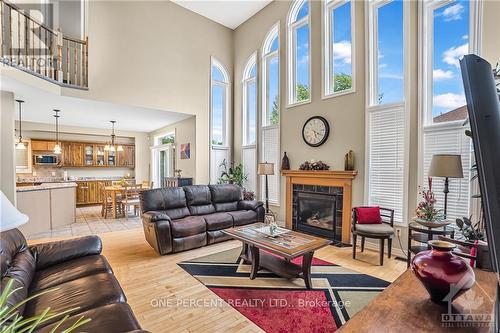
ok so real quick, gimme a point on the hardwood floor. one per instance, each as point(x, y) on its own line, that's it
point(149, 279)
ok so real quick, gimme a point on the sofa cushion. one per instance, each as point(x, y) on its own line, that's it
point(217, 236)
point(188, 226)
point(218, 221)
point(17, 263)
point(163, 199)
point(226, 206)
point(378, 229)
point(226, 193)
point(85, 293)
point(242, 217)
point(199, 199)
point(116, 317)
point(68, 271)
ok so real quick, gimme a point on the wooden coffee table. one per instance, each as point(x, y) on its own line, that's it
point(279, 251)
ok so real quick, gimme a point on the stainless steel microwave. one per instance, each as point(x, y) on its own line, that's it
point(46, 159)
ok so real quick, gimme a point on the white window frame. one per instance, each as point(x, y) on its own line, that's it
point(327, 49)
point(292, 27)
point(267, 54)
point(246, 81)
point(425, 75)
point(226, 84)
point(372, 88)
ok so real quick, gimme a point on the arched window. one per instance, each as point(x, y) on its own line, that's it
point(338, 47)
point(270, 117)
point(219, 111)
point(249, 144)
point(299, 53)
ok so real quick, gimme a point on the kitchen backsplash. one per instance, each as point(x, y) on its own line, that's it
point(47, 173)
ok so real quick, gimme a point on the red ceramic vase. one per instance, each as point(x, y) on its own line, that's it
point(443, 274)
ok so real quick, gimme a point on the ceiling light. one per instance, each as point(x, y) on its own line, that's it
point(20, 144)
point(57, 147)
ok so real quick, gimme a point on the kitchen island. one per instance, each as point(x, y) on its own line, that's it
point(48, 205)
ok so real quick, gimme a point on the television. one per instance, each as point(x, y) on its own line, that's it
point(483, 107)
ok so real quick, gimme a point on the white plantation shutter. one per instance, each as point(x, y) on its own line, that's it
point(217, 157)
point(271, 154)
point(449, 140)
point(249, 161)
point(387, 160)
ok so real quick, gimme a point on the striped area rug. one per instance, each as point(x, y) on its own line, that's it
point(281, 305)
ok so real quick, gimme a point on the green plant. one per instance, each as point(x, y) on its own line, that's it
point(302, 92)
point(275, 112)
point(12, 322)
point(232, 174)
point(342, 82)
point(471, 231)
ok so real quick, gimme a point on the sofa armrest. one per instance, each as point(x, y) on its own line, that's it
point(155, 216)
point(52, 253)
point(249, 204)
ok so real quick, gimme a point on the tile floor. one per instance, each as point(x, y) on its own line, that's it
point(90, 222)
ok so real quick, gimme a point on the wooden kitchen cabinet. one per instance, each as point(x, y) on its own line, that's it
point(91, 192)
point(78, 154)
point(39, 145)
point(126, 158)
point(82, 196)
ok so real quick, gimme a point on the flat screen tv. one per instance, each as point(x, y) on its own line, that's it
point(484, 115)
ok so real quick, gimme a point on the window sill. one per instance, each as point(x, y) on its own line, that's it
point(337, 94)
point(291, 105)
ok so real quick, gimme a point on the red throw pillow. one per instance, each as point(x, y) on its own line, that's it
point(369, 215)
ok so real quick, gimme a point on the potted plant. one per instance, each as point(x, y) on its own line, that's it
point(234, 174)
point(426, 212)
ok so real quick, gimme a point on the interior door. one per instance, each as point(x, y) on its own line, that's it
point(163, 163)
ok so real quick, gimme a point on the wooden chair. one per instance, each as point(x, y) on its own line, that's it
point(380, 231)
point(147, 185)
point(107, 203)
point(130, 198)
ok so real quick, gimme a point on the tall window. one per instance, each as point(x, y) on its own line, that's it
point(270, 129)
point(447, 35)
point(299, 53)
point(249, 147)
point(338, 47)
point(219, 110)
point(387, 111)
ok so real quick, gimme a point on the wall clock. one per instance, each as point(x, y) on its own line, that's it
point(315, 131)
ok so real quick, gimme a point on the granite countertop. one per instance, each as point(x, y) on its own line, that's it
point(45, 186)
point(71, 180)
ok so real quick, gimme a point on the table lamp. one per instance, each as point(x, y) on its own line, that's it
point(266, 169)
point(10, 217)
point(446, 166)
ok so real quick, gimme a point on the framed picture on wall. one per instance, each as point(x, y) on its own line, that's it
point(185, 151)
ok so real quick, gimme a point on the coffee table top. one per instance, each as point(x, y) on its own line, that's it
point(290, 245)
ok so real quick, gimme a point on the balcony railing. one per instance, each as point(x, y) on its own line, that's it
point(37, 49)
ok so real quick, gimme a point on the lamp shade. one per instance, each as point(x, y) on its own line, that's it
point(446, 165)
point(265, 168)
point(10, 217)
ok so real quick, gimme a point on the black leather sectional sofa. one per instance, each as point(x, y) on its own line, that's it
point(182, 218)
point(83, 278)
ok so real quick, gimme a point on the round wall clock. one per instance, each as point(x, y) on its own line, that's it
point(315, 131)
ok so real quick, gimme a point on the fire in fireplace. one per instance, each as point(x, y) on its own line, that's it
point(318, 210)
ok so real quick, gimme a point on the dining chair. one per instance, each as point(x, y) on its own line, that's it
point(107, 203)
point(130, 198)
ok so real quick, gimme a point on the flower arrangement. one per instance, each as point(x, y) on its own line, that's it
point(314, 165)
point(425, 209)
point(248, 195)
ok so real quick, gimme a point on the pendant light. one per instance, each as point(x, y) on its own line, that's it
point(20, 144)
point(112, 146)
point(57, 147)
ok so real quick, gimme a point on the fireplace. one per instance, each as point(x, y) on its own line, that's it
point(317, 210)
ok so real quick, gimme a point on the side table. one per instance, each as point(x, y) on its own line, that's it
point(421, 234)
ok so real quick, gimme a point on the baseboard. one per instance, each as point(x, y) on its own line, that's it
point(396, 251)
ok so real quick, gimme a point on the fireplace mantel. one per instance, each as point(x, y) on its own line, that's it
point(322, 178)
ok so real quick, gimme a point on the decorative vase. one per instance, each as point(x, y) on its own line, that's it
point(285, 163)
point(349, 161)
point(444, 275)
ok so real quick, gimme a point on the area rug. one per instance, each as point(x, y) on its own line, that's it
point(279, 305)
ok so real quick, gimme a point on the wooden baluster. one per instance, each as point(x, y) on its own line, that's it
point(26, 49)
point(82, 68)
point(86, 61)
point(60, 75)
point(18, 38)
point(39, 55)
point(67, 63)
point(1, 27)
point(11, 35)
point(76, 62)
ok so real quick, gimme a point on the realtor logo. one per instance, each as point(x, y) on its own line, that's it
point(469, 316)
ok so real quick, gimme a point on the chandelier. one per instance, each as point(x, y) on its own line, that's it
point(20, 144)
point(57, 147)
point(112, 146)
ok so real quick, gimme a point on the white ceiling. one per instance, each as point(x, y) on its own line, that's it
point(230, 13)
point(39, 104)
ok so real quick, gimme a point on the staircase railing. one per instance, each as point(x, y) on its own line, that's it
point(36, 48)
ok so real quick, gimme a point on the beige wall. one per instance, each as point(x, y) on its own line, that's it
point(141, 140)
point(185, 132)
point(491, 29)
point(8, 164)
point(156, 54)
point(345, 114)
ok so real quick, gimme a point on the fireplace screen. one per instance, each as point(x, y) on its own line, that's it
point(316, 210)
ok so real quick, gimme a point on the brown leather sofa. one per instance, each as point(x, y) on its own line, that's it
point(83, 278)
point(182, 218)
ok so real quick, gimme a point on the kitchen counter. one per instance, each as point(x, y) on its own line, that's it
point(48, 206)
point(45, 186)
